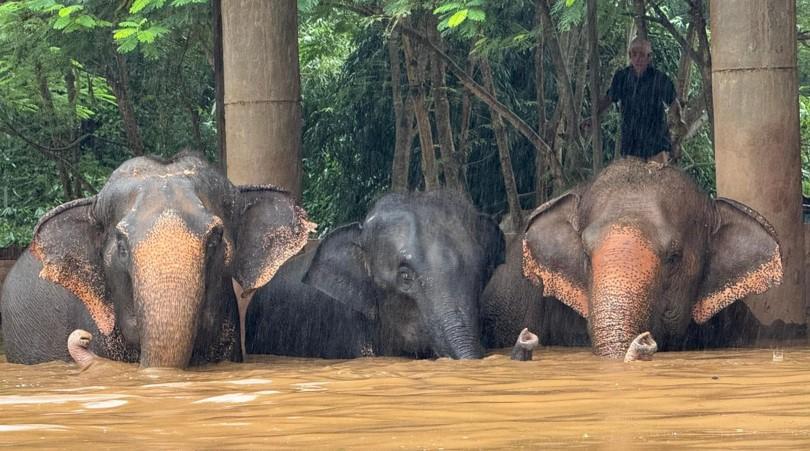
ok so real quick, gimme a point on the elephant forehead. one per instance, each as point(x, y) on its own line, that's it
point(651, 224)
point(147, 196)
point(168, 243)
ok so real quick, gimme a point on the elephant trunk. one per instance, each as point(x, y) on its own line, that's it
point(624, 268)
point(458, 333)
point(168, 288)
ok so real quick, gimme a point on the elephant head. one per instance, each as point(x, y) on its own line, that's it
point(642, 248)
point(416, 266)
point(152, 255)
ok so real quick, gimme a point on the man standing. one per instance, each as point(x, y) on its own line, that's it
point(642, 92)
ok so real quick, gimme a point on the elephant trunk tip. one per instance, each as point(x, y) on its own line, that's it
point(525, 344)
point(641, 348)
point(78, 343)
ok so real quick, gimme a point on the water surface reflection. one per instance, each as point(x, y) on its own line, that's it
point(564, 398)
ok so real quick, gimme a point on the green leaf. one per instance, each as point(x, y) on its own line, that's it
point(570, 3)
point(447, 7)
point(86, 21)
point(61, 23)
point(149, 35)
point(138, 5)
point(127, 45)
point(68, 10)
point(41, 5)
point(177, 3)
point(458, 18)
point(476, 14)
point(124, 33)
point(128, 24)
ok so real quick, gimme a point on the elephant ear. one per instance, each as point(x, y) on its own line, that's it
point(67, 241)
point(270, 229)
point(339, 270)
point(553, 254)
point(491, 239)
point(743, 259)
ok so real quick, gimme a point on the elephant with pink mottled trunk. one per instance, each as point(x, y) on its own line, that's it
point(642, 248)
point(148, 265)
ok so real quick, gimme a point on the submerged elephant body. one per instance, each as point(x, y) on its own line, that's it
point(146, 266)
point(641, 248)
point(406, 281)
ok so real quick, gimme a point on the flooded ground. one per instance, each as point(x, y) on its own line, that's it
point(564, 398)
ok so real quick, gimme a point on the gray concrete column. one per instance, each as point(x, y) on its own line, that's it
point(756, 129)
point(262, 92)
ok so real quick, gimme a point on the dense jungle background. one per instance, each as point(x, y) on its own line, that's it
point(87, 84)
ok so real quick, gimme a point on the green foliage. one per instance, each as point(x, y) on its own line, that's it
point(48, 48)
point(804, 127)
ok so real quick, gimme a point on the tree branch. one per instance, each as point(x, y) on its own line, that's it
point(472, 86)
point(663, 20)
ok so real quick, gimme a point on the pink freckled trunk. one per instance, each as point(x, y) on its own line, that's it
point(624, 271)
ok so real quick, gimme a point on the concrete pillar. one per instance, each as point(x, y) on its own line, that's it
point(262, 92)
point(754, 81)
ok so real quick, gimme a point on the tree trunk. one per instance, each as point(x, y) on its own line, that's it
point(564, 88)
point(262, 93)
point(219, 84)
point(699, 21)
point(464, 132)
point(74, 151)
point(596, 125)
point(678, 125)
point(403, 117)
point(417, 90)
point(119, 82)
point(503, 153)
point(540, 163)
point(483, 95)
point(639, 8)
point(450, 159)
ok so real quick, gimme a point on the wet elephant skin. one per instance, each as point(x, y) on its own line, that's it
point(641, 247)
point(406, 281)
point(146, 265)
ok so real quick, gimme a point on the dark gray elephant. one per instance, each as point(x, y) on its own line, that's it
point(147, 266)
point(511, 303)
point(641, 248)
point(404, 282)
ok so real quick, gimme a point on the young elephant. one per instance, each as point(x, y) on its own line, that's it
point(641, 248)
point(404, 282)
point(146, 266)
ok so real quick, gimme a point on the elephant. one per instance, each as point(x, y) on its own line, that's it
point(149, 264)
point(511, 303)
point(404, 282)
point(642, 248)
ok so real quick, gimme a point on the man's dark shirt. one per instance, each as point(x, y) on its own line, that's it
point(642, 100)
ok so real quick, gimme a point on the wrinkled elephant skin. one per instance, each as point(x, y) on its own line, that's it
point(404, 282)
point(641, 248)
point(146, 265)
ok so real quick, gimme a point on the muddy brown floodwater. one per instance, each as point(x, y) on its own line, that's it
point(565, 397)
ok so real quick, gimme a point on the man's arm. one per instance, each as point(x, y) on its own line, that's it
point(601, 106)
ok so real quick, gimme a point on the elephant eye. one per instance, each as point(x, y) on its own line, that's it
point(121, 245)
point(405, 277)
point(674, 257)
point(215, 238)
